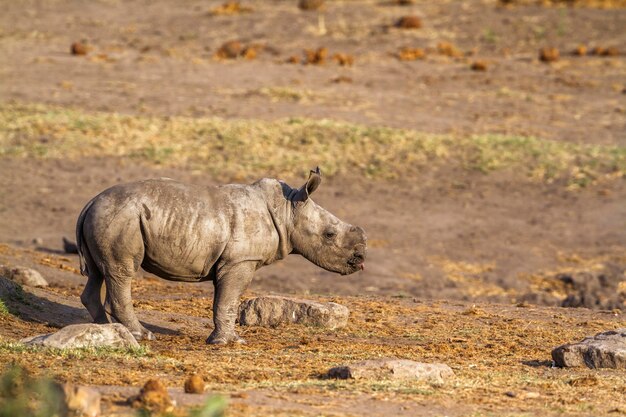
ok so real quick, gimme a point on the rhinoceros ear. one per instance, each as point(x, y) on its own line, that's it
point(315, 178)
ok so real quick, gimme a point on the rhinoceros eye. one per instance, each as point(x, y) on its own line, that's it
point(329, 234)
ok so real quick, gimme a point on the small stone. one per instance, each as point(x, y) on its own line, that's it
point(604, 350)
point(37, 241)
point(271, 311)
point(81, 401)
point(25, 276)
point(194, 385)
point(86, 335)
point(397, 369)
point(69, 246)
point(153, 397)
point(409, 22)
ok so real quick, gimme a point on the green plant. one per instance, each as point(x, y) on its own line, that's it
point(26, 396)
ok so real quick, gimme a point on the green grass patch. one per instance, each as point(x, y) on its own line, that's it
point(4, 310)
point(246, 149)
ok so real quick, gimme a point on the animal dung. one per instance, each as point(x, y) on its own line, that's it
point(230, 8)
point(409, 22)
point(448, 49)
point(194, 385)
point(411, 54)
point(580, 50)
point(602, 51)
point(310, 4)
point(229, 50)
point(478, 66)
point(153, 397)
point(315, 57)
point(235, 49)
point(79, 48)
point(548, 54)
point(345, 60)
point(319, 56)
point(341, 79)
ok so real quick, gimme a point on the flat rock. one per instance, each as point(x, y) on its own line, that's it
point(24, 276)
point(86, 335)
point(396, 369)
point(270, 311)
point(604, 350)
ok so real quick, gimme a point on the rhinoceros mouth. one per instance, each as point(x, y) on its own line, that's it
point(353, 267)
point(356, 264)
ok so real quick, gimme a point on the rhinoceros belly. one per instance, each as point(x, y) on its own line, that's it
point(182, 242)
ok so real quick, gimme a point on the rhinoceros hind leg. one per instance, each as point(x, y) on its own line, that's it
point(230, 283)
point(91, 296)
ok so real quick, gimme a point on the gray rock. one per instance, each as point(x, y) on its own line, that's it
point(24, 276)
point(396, 369)
point(86, 335)
point(270, 311)
point(604, 350)
point(69, 246)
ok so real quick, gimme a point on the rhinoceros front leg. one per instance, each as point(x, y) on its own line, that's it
point(230, 283)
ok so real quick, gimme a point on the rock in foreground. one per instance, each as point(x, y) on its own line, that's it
point(604, 350)
point(24, 276)
point(86, 335)
point(270, 311)
point(397, 369)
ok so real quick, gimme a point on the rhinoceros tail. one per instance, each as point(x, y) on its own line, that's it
point(83, 250)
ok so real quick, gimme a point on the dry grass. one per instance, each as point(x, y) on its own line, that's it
point(495, 350)
point(601, 4)
point(247, 149)
point(492, 349)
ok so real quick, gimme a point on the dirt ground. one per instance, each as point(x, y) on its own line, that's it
point(438, 243)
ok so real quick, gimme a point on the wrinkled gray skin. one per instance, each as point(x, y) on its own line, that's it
point(184, 232)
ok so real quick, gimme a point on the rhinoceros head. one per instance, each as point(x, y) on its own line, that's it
point(321, 237)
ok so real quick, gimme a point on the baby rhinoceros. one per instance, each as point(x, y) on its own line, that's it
point(183, 232)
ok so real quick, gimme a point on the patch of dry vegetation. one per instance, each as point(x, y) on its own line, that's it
point(248, 149)
point(495, 351)
point(601, 4)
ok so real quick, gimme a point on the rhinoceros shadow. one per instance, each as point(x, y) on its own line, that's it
point(38, 305)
